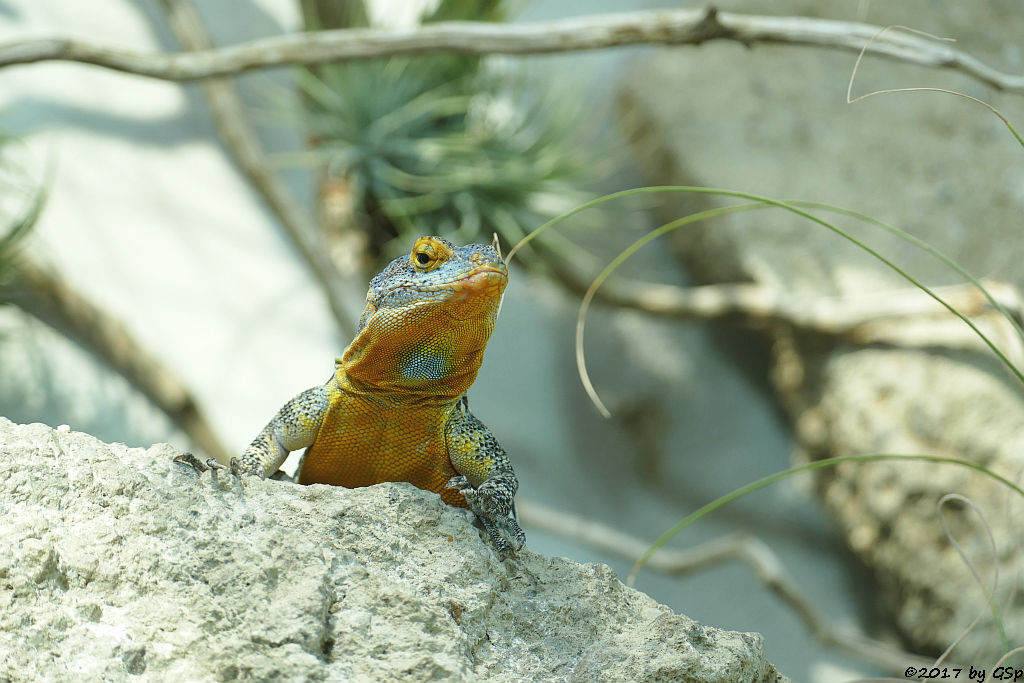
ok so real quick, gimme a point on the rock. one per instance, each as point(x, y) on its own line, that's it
point(116, 562)
point(774, 121)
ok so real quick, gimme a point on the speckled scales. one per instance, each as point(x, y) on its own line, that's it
point(382, 448)
point(295, 426)
point(473, 450)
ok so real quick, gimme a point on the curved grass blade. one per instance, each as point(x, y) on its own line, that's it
point(792, 209)
point(850, 99)
point(809, 467)
point(920, 244)
point(588, 297)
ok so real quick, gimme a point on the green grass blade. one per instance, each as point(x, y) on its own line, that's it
point(921, 244)
point(588, 297)
point(817, 465)
point(792, 209)
point(809, 467)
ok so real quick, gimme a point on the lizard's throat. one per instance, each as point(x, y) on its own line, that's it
point(442, 365)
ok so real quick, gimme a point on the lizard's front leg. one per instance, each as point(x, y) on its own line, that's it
point(485, 477)
point(295, 426)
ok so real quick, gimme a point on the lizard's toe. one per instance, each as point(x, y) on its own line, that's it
point(237, 467)
point(244, 467)
point(494, 510)
point(516, 531)
point(459, 483)
point(197, 464)
point(501, 545)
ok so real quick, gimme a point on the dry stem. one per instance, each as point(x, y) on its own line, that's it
point(245, 148)
point(47, 297)
point(657, 27)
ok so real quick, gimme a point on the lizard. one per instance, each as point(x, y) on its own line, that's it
point(396, 408)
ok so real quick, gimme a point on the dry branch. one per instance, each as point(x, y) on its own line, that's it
point(657, 27)
point(829, 315)
point(47, 297)
point(863, 319)
point(245, 148)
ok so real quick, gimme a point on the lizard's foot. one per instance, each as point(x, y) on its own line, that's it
point(493, 507)
point(198, 465)
point(201, 466)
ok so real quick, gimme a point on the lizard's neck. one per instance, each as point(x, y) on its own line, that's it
point(437, 358)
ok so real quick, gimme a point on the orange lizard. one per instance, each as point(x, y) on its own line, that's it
point(395, 408)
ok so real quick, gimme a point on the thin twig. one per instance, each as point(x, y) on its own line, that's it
point(753, 304)
point(660, 27)
point(245, 148)
point(839, 315)
point(45, 296)
point(743, 548)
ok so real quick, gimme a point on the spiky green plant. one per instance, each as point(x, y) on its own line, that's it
point(442, 144)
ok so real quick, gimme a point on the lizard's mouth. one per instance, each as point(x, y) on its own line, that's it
point(484, 273)
point(482, 277)
point(481, 284)
point(485, 281)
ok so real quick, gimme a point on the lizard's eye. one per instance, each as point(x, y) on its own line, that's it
point(428, 253)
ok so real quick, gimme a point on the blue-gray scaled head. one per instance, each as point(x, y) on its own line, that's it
point(427, 319)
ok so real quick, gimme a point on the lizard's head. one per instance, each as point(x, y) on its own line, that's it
point(428, 317)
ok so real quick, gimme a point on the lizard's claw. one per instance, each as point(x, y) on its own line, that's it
point(198, 465)
point(493, 507)
point(201, 466)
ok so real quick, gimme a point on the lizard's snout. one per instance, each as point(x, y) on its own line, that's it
point(479, 258)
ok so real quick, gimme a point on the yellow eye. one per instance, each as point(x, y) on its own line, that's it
point(428, 253)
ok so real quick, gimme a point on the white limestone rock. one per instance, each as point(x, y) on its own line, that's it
point(116, 563)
